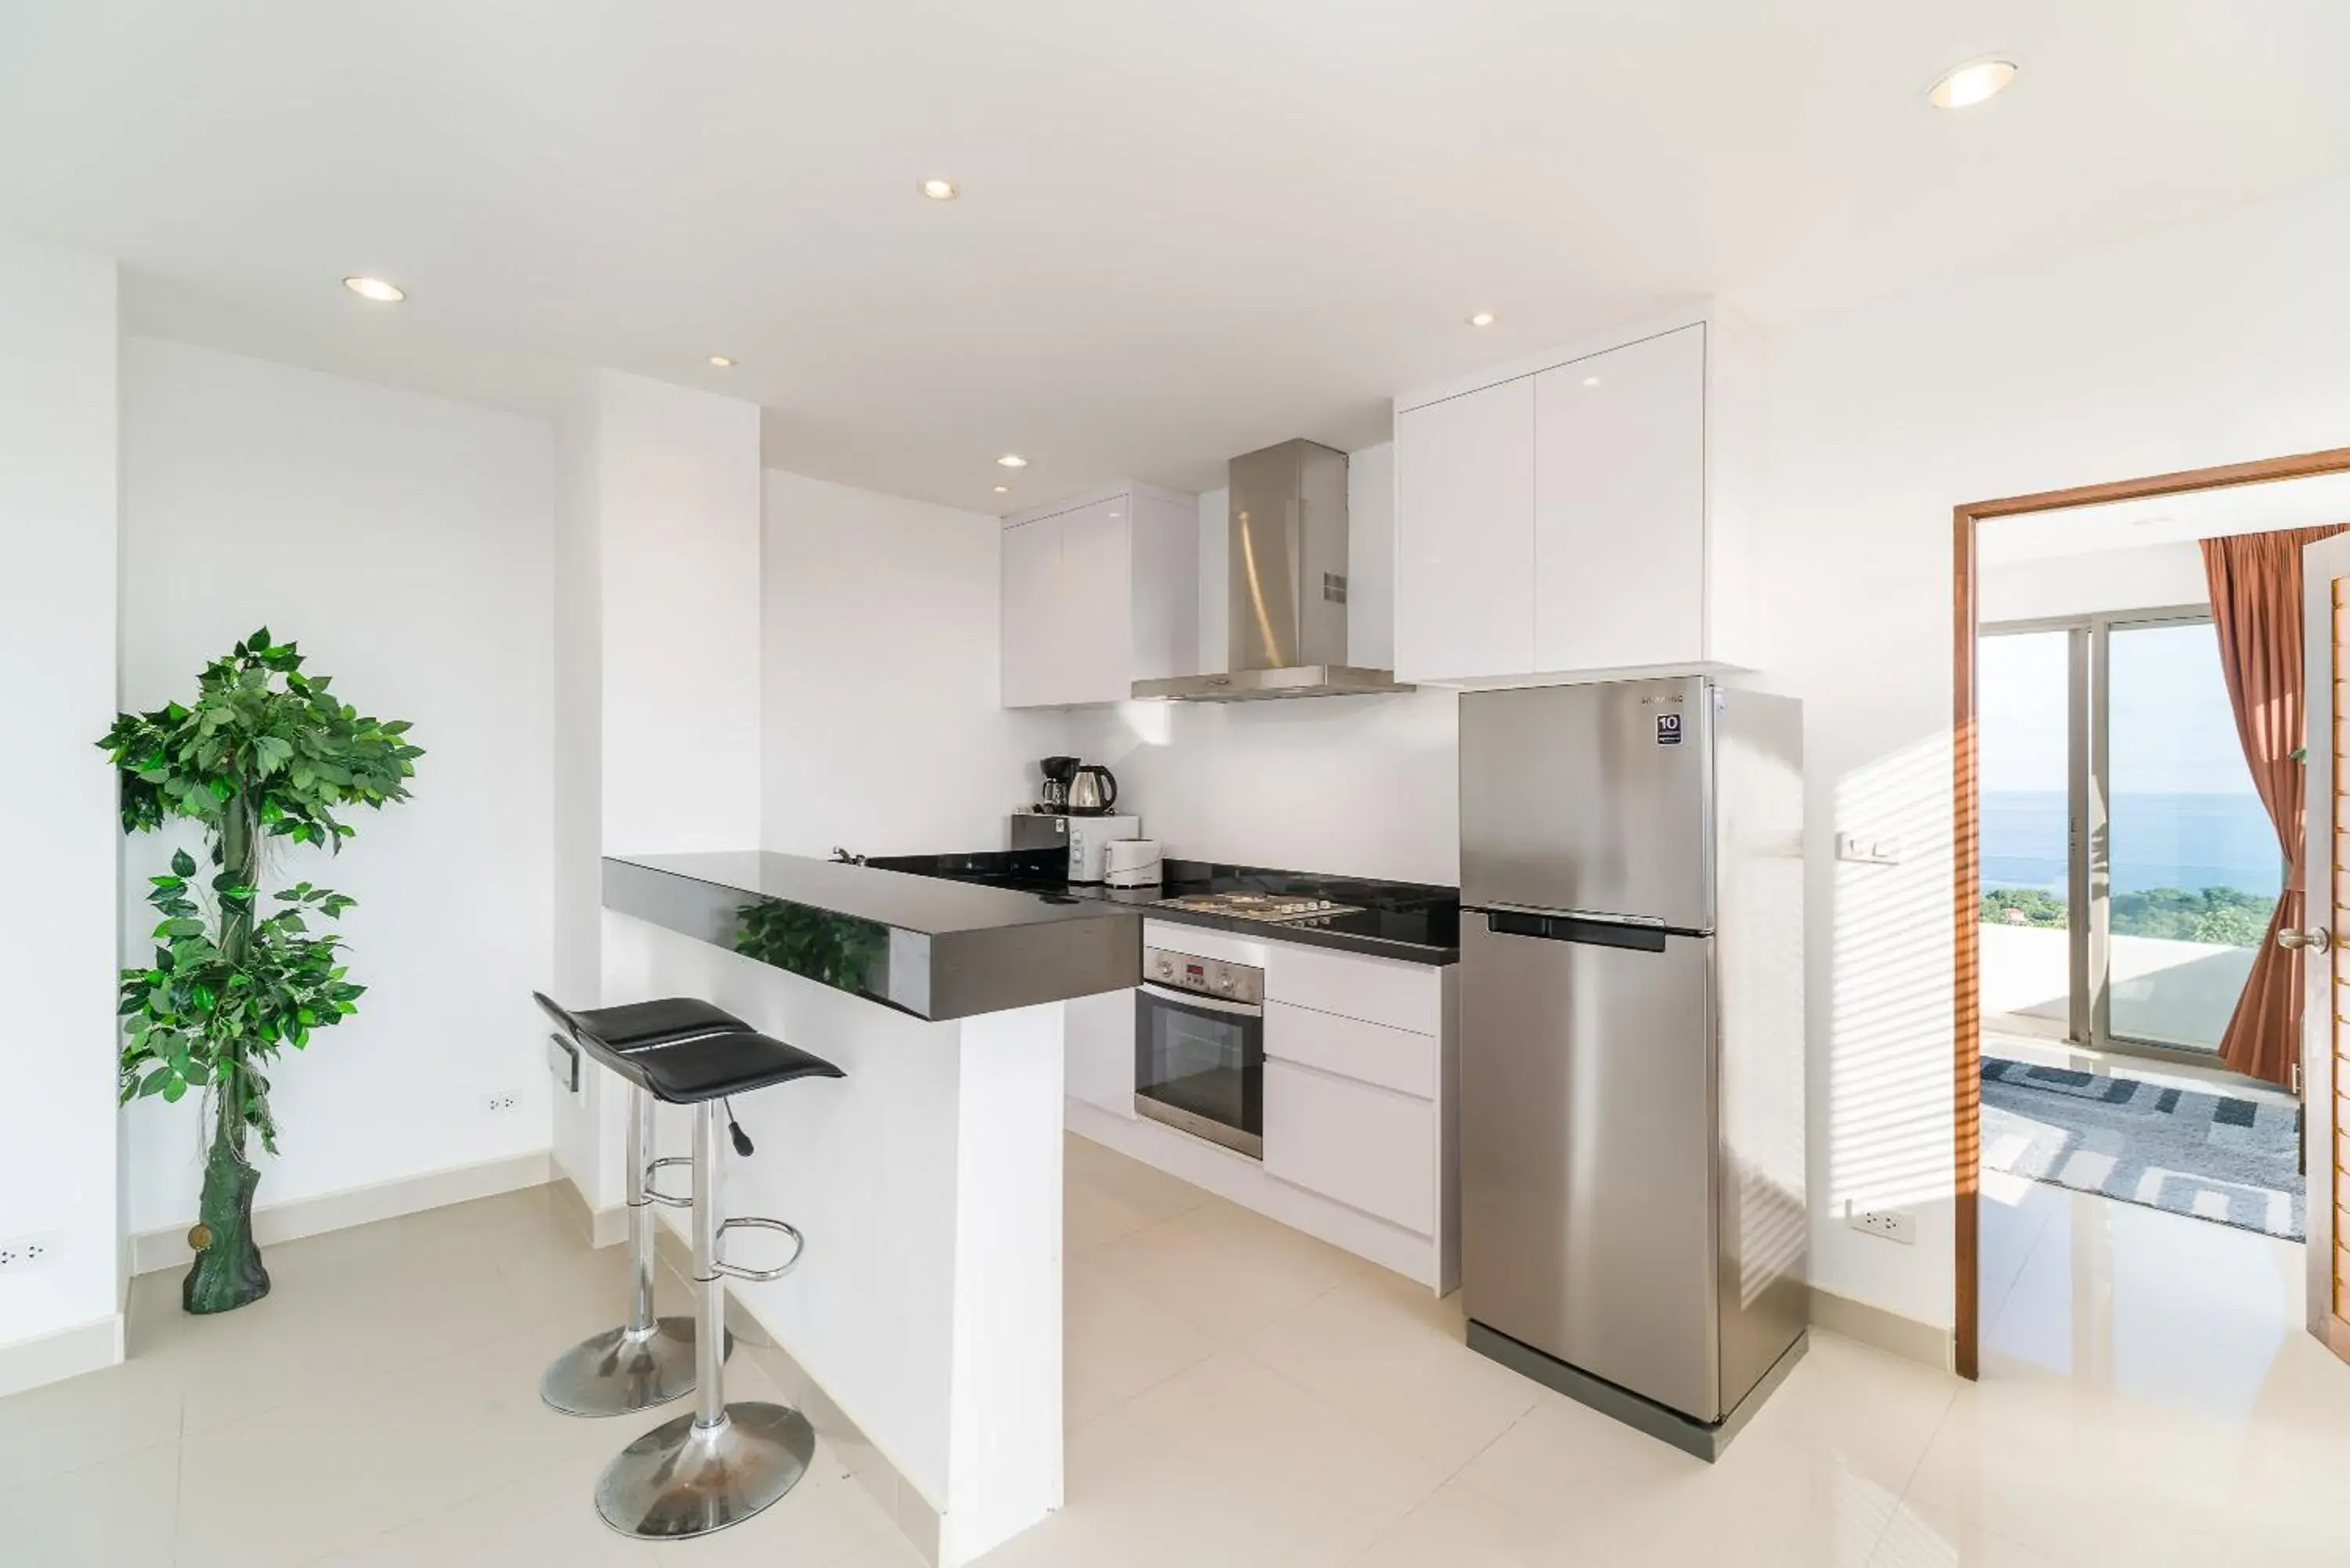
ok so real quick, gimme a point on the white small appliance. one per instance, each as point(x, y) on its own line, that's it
point(1131, 863)
point(1090, 841)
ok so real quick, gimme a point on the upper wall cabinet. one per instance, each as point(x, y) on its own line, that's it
point(1581, 515)
point(1464, 602)
point(1099, 591)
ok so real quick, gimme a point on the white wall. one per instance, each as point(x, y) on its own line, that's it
point(2210, 342)
point(677, 501)
point(575, 823)
point(1363, 787)
point(58, 1177)
point(661, 516)
point(881, 677)
point(404, 540)
point(2152, 576)
point(1370, 556)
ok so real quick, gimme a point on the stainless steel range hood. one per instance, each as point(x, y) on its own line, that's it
point(1288, 575)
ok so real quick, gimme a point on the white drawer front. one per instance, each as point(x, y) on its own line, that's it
point(1368, 1148)
point(1351, 1048)
point(1375, 989)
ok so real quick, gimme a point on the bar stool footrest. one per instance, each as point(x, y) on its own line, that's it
point(756, 1222)
point(654, 1194)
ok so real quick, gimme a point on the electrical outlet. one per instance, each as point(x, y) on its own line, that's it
point(500, 1104)
point(23, 1254)
point(1892, 1224)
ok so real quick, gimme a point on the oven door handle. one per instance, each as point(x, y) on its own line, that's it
point(1207, 1003)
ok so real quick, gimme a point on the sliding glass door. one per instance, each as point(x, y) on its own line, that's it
point(2031, 912)
point(2195, 867)
point(2169, 867)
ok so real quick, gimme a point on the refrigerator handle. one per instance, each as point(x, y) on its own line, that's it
point(1570, 929)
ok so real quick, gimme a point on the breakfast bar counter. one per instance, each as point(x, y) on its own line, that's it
point(938, 949)
point(925, 1323)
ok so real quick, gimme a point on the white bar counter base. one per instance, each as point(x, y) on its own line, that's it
point(928, 1182)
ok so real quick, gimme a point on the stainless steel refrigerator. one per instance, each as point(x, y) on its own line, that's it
point(1631, 1128)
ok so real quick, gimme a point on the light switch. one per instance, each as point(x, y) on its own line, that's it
point(1864, 851)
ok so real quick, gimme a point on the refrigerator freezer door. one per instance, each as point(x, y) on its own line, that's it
point(1591, 798)
point(1587, 1154)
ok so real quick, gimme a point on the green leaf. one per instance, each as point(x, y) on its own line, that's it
point(259, 640)
point(183, 865)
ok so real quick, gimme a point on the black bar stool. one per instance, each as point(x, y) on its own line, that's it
point(647, 1361)
point(722, 1463)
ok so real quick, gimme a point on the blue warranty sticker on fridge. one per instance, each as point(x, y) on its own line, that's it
point(1668, 729)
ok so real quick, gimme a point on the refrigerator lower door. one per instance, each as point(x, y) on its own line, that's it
point(1587, 1149)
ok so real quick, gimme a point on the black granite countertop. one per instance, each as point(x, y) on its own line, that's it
point(937, 947)
point(1418, 922)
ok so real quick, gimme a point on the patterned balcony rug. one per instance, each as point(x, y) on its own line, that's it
point(2209, 1155)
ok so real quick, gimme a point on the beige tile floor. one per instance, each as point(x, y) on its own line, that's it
point(1238, 1395)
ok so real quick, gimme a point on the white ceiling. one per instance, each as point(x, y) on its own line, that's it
point(1187, 230)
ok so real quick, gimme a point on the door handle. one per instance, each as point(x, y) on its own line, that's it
point(2316, 939)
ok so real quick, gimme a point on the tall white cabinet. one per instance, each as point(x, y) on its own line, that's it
point(1581, 513)
point(1099, 591)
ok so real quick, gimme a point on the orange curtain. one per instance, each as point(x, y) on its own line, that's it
point(2256, 609)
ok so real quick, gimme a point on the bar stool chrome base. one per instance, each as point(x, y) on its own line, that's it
point(623, 1369)
point(684, 1478)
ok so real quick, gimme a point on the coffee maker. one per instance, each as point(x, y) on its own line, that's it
point(1057, 772)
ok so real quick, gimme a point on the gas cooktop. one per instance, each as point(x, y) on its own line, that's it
point(1275, 907)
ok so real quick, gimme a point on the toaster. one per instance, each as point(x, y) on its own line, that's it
point(1131, 863)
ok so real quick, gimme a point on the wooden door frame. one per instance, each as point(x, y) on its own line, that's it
point(1966, 891)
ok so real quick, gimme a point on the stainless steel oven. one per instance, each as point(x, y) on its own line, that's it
point(1199, 1048)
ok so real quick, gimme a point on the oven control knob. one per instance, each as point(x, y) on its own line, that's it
point(1223, 983)
point(1166, 969)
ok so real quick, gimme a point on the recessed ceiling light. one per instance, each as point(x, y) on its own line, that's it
point(1011, 460)
point(375, 288)
point(1964, 86)
point(940, 189)
point(1591, 380)
point(721, 361)
point(1003, 489)
point(1482, 318)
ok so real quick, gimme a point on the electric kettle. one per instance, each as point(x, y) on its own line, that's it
point(1092, 790)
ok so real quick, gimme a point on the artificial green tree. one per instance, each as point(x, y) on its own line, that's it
point(264, 754)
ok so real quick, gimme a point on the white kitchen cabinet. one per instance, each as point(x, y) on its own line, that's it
point(1356, 985)
point(1465, 601)
point(1397, 1059)
point(1098, 1050)
point(1361, 1092)
point(1368, 1148)
point(1099, 592)
point(1619, 508)
point(1032, 588)
point(1093, 646)
point(1581, 513)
